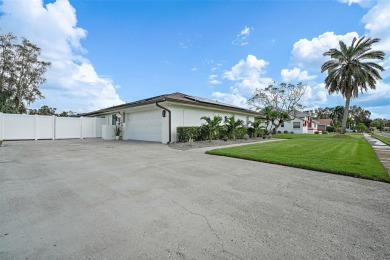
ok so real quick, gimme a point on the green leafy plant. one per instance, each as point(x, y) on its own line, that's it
point(117, 130)
point(212, 126)
point(232, 124)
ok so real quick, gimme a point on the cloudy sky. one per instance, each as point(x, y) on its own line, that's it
point(104, 53)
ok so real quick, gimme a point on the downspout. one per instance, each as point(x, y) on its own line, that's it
point(169, 119)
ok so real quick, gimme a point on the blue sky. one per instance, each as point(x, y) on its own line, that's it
point(108, 52)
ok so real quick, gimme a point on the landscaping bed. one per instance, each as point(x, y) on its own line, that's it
point(214, 143)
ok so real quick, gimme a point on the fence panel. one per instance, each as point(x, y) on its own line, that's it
point(99, 123)
point(68, 128)
point(30, 127)
point(18, 127)
point(45, 127)
point(89, 127)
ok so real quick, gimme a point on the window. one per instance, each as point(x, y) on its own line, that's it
point(296, 125)
point(114, 119)
point(282, 125)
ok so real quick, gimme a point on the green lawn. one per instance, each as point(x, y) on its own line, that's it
point(384, 139)
point(348, 154)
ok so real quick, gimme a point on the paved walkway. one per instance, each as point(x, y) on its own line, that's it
point(381, 149)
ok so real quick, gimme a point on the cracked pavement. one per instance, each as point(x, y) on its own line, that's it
point(97, 199)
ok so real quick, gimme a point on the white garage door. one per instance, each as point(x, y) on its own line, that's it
point(145, 125)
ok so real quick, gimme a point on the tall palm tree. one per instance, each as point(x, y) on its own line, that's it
point(351, 69)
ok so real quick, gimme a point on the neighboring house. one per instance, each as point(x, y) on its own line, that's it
point(155, 119)
point(323, 123)
point(301, 124)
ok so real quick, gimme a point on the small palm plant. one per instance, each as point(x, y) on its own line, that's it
point(232, 124)
point(212, 126)
point(257, 127)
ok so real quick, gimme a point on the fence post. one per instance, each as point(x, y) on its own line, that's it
point(95, 120)
point(36, 127)
point(1, 126)
point(81, 127)
point(53, 128)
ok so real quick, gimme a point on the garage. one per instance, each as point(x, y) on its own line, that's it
point(144, 125)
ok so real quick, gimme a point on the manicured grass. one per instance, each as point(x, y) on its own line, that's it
point(384, 139)
point(348, 154)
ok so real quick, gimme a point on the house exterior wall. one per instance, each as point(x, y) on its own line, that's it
point(190, 116)
point(306, 126)
point(289, 126)
point(181, 115)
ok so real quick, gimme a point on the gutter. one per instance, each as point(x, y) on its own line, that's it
point(169, 124)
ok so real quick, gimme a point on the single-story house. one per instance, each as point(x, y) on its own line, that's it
point(156, 118)
point(323, 123)
point(303, 123)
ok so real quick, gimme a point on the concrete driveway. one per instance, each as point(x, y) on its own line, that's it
point(95, 199)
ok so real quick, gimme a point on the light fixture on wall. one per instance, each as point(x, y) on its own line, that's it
point(164, 113)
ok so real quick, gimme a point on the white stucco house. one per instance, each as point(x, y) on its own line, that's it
point(301, 124)
point(156, 118)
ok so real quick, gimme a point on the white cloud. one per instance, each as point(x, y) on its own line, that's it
point(194, 69)
point(315, 96)
point(381, 92)
point(251, 67)
point(379, 111)
point(363, 3)
point(230, 98)
point(377, 24)
point(247, 75)
point(72, 82)
point(296, 74)
point(242, 37)
point(213, 80)
point(309, 53)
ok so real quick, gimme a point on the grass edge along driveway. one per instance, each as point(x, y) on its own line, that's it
point(348, 154)
point(384, 139)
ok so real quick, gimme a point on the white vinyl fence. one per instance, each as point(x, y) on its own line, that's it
point(35, 127)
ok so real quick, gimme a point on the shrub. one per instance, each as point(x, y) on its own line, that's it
point(330, 129)
point(225, 138)
point(324, 132)
point(279, 132)
point(251, 132)
point(316, 132)
point(261, 132)
point(185, 133)
point(246, 136)
point(285, 132)
point(240, 132)
point(291, 132)
point(223, 131)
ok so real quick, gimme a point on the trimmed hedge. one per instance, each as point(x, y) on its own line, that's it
point(197, 133)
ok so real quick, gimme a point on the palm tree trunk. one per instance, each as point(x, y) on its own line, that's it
point(346, 113)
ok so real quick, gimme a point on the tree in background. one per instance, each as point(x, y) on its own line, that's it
point(337, 114)
point(361, 127)
point(279, 103)
point(21, 73)
point(349, 73)
point(360, 115)
point(380, 124)
point(44, 111)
